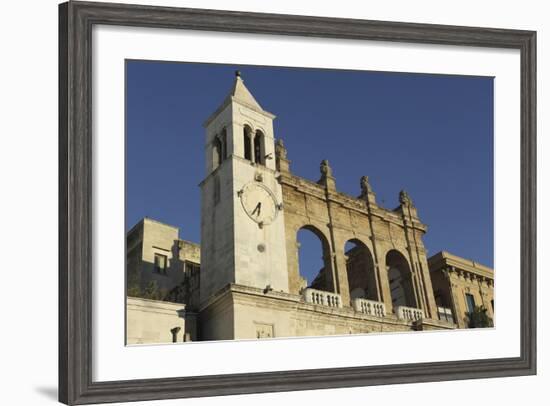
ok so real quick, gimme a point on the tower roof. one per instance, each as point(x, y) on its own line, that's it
point(240, 93)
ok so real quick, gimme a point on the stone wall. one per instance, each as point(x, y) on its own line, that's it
point(259, 314)
point(157, 322)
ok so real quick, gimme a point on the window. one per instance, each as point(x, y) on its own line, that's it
point(445, 314)
point(217, 158)
point(470, 302)
point(247, 144)
point(192, 268)
point(493, 305)
point(160, 264)
point(192, 271)
point(259, 148)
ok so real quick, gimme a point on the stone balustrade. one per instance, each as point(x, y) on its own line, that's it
point(320, 297)
point(409, 313)
point(369, 307)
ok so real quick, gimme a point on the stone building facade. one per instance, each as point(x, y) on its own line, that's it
point(460, 285)
point(156, 254)
point(252, 208)
point(162, 277)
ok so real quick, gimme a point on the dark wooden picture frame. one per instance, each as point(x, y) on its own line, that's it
point(76, 20)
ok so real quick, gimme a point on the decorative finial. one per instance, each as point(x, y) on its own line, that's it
point(280, 150)
point(325, 168)
point(238, 73)
point(404, 198)
point(365, 186)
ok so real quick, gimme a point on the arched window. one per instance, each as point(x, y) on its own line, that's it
point(314, 263)
point(360, 270)
point(400, 279)
point(259, 149)
point(247, 143)
point(217, 153)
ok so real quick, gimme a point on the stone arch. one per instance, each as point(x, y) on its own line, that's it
point(249, 124)
point(320, 279)
point(400, 280)
point(361, 272)
point(260, 128)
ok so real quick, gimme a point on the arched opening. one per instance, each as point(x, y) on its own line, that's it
point(217, 153)
point(314, 261)
point(259, 148)
point(360, 271)
point(247, 142)
point(400, 279)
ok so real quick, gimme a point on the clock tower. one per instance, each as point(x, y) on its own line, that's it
point(242, 217)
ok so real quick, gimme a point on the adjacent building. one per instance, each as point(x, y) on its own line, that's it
point(460, 286)
point(162, 277)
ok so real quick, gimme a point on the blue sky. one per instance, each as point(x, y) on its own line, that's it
point(429, 134)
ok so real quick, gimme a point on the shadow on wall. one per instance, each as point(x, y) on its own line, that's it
point(167, 279)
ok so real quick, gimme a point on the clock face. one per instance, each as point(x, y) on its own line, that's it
point(259, 203)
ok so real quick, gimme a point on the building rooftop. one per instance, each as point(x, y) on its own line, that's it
point(150, 220)
point(444, 259)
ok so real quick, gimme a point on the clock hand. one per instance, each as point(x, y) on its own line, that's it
point(257, 208)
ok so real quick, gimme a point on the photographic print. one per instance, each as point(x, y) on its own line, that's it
point(270, 202)
point(235, 184)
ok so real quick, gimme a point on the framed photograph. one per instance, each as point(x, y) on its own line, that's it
point(260, 202)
